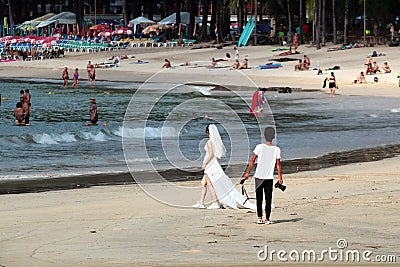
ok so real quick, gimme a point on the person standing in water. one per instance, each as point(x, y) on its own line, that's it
point(28, 96)
point(93, 111)
point(19, 114)
point(76, 78)
point(65, 77)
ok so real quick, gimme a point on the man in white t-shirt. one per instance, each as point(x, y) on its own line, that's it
point(268, 156)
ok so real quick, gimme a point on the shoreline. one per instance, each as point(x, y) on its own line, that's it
point(334, 159)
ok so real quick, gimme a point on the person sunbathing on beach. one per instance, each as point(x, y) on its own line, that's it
point(360, 78)
point(285, 53)
point(386, 67)
point(213, 63)
point(167, 64)
point(244, 64)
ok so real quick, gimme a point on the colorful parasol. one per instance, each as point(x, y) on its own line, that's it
point(154, 28)
point(122, 31)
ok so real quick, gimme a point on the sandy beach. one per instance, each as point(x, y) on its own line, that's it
point(124, 226)
point(351, 62)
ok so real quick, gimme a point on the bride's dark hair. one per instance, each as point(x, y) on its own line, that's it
point(207, 130)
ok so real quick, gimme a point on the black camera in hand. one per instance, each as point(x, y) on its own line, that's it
point(280, 186)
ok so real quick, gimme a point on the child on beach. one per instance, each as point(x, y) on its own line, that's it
point(76, 78)
point(269, 157)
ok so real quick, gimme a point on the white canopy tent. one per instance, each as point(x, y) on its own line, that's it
point(138, 21)
point(185, 19)
point(62, 18)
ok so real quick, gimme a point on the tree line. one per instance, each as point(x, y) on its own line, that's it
point(326, 17)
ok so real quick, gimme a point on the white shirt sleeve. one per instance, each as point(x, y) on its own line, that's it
point(278, 152)
point(257, 149)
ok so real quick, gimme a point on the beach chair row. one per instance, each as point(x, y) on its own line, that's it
point(152, 43)
point(84, 46)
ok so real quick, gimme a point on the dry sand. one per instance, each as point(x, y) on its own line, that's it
point(351, 62)
point(123, 226)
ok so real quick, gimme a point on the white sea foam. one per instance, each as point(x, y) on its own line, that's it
point(53, 139)
point(204, 90)
point(148, 132)
point(99, 137)
point(395, 110)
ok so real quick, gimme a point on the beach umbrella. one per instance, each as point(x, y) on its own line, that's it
point(122, 31)
point(154, 28)
point(105, 33)
point(98, 27)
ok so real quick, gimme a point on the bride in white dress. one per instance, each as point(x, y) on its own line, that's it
point(223, 191)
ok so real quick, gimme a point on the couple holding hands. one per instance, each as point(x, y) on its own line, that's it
point(223, 191)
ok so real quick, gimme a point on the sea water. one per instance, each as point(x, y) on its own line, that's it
point(58, 143)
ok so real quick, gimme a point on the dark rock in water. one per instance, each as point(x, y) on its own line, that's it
point(283, 90)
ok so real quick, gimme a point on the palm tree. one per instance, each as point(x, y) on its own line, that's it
point(346, 21)
point(334, 22)
point(178, 18)
point(124, 12)
point(323, 18)
point(301, 20)
point(10, 13)
point(289, 36)
point(203, 35)
point(213, 18)
point(317, 14)
point(193, 12)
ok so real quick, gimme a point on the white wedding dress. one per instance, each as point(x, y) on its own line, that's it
point(227, 194)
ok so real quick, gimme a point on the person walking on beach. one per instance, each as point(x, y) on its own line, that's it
point(268, 158)
point(93, 111)
point(214, 150)
point(76, 78)
point(332, 84)
point(236, 51)
point(223, 191)
point(65, 77)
